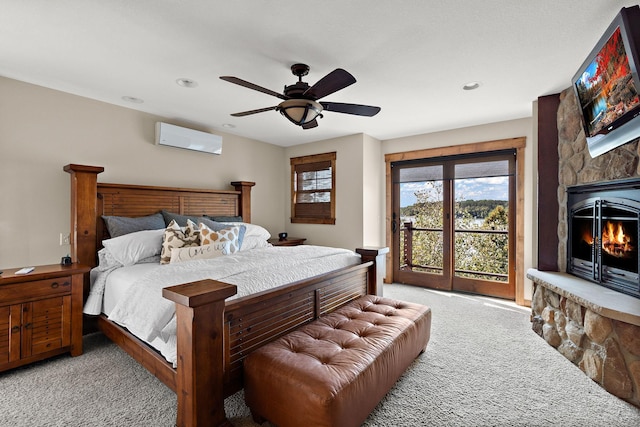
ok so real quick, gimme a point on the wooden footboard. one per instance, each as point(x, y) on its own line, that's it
point(213, 336)
point(253, 321)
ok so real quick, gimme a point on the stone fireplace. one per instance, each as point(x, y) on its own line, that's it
point(595, 327)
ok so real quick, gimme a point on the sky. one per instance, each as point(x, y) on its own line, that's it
point(466, 189)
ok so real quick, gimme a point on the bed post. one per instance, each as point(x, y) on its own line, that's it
point(377, 270)
point(200, 372)
point(244, 187)
point(84, 191)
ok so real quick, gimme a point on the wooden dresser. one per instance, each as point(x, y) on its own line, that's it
point(289, 241)
point(40, 313)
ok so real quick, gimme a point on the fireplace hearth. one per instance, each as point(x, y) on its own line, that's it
point(604, 234)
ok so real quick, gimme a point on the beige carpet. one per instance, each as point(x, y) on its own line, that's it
point(483, 367)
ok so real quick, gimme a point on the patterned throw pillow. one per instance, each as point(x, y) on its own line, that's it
point(199, 252)
point(222, 237)
point(178, 237)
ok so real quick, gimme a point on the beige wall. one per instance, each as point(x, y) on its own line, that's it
point(489, 132)
point(41, 130)
point(373, 192)
point(359, 189)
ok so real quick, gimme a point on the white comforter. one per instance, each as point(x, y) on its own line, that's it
point(146, 314)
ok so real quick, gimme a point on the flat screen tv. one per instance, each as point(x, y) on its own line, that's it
point(607, 85)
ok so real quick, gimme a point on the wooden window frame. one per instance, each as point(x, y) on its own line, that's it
point(298, 163)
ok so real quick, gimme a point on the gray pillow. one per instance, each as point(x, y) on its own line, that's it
point(225, 218)
point(181, 220)
point(121, 225)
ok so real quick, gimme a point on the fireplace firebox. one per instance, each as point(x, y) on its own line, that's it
point(604, 234)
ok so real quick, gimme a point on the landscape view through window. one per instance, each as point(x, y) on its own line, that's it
point(480, 232)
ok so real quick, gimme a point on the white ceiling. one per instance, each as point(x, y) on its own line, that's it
point(410, 57)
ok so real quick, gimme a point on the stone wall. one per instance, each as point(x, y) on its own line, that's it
point(607, 350)
point(576, 166)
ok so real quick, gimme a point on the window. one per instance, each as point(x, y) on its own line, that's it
point(313, 182)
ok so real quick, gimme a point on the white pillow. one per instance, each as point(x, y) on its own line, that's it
point(253, 242)
point(131, 248)
point(199, 252)
point(253, 230)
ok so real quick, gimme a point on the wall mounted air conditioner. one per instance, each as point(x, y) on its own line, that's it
point(176, 136)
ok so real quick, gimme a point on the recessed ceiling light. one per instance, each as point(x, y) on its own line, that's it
point(187, 82)
point(471, 86)
point(133, 99)
point(228, 125)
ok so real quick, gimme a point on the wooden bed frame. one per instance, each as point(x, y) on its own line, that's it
point(213, 337)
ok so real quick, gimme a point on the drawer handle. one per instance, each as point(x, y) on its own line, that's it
point(15, 329)
point(55, 285)
point(28, 325)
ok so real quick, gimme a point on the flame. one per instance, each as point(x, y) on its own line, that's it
point(587, 237)
point(614, 240)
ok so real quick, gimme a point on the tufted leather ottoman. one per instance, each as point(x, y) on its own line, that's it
point(334, 370)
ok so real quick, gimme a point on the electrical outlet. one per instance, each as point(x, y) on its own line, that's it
point(65, 239)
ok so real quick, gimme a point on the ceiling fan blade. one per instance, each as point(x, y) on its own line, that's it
point(247, 113)
point(250, 85)
point(332, 82)
point(310, 125)
point(355, 109)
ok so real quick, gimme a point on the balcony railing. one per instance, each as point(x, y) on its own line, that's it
point(408, 231)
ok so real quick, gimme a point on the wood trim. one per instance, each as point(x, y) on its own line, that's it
point(478, 147)
point(313, 220)
point(518, 144)
point(244, 187)
point(548, 160)
point(314, 158)
point(520, 225)
point(83, 221)
point(388, 278)
point(377, 256)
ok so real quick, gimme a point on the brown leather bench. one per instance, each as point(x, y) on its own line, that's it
point(336, 369)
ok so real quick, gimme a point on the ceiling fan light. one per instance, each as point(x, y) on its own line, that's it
point(300, 111)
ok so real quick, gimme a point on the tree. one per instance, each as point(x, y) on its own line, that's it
point(483, 252)
point(427, 246)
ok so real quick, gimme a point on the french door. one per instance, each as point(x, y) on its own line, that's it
point(453, 223)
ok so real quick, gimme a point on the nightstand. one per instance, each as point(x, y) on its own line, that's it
point(289, 241)
point(40, 313)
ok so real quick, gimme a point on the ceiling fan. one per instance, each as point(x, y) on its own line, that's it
point(300, 101)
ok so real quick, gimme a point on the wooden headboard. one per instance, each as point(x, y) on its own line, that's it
point(90, 200)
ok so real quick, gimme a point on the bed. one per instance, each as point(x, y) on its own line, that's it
point(213, 335)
